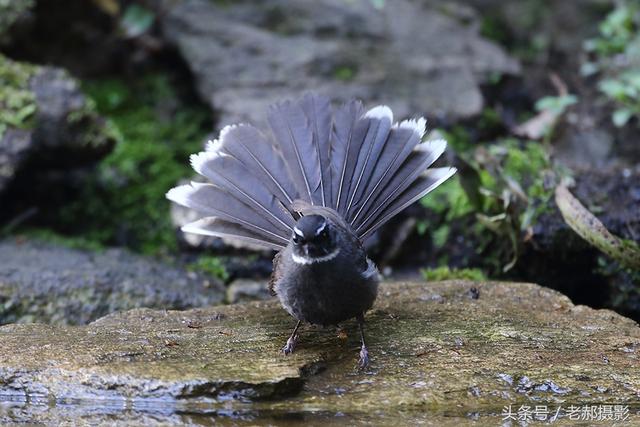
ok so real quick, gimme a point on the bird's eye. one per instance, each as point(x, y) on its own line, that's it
point(296, 239)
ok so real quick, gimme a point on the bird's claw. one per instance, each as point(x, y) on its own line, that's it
point(290, 346)
point(363, 361)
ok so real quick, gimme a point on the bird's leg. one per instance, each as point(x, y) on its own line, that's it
point(363, 362)
point(292, 341)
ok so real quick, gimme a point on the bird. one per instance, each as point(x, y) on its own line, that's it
point(314, 187)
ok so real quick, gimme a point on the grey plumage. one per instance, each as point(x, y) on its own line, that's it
point(260, 156)
point(380, 119)
point(230, 175)
point(328, 292)
point(420, 158)
point(216, 226)
point(294, 135)
point(348, 133)
point(400, 143)
point(211, 200)
point(315, 189)
point(356, 163)
point(318, 111)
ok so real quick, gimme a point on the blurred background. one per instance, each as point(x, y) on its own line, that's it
point(102, 101)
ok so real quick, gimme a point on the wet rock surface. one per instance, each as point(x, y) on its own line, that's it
point(425, 58)
point(243, 290)
point(437, 354)
point(45, 283)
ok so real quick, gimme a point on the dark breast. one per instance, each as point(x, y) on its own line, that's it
point(325, 293)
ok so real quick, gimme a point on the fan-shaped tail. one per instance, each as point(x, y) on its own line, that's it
point(353, 166)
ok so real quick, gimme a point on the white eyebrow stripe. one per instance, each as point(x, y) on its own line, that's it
point(298, 232)
point(321, 228)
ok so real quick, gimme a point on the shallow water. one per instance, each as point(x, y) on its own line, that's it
point(34, 411)
point(102, 412)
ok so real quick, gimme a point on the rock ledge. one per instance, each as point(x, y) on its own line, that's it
point(440, 348)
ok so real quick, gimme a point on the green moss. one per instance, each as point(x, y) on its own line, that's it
point(17, 101)
point(73, 242)
point(516, 170)
point(458, 138)
point(91, 129)
point(449, 200)
point(344, 73)
point(523, 161)
point(214, 266)
point(41, 309)
point(124, 203)
point(494, 29)
point(504, 187)
point(440, 236)
point(446, 273)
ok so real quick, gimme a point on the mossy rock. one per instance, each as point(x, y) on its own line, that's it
point(17, 100)
point(440, 351)
point(46, 121)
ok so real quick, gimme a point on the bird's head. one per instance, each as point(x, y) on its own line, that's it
point(314, 240)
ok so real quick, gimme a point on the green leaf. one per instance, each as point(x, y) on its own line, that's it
point(587, 226)
point(137, 20)
point(556, 104)
point(614, 89)
point(23, 113)
point(621, 117)
point(589, 69)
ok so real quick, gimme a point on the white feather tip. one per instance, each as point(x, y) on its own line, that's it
point(179, 194)
point(213, 146)
point(198, 160)
point(225, 130)
point(418, 125)
point(380, 112)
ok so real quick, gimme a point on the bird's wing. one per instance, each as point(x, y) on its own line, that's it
point(275, 274)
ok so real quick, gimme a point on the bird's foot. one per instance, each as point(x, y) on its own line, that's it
point(290, 346)
point(363, 361)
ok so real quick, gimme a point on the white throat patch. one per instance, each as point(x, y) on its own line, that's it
point(308, 260)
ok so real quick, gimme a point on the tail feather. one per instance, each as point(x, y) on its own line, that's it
point(259, 156)
point(360, 130)
point(380, 119)
point(318, 111)
point(420, 158)
point(354, 167)
point(229, 174)
point(294, 136)
point(430, 179)
point(401, 141)
point(217, 227)
point(346, 132)
point(211, 200)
